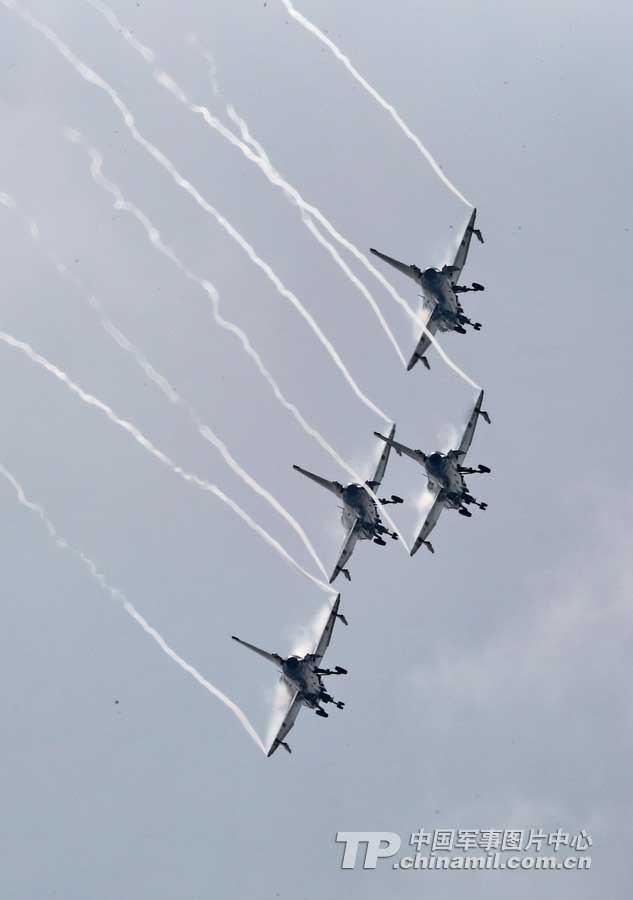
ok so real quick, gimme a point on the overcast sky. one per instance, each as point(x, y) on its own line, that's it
point(489, 683)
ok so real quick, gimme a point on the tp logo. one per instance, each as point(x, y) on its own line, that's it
point(380, 844)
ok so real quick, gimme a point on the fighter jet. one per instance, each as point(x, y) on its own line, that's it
point(445, 475)
point(439, 292)
point(359, 511)
point(303, 676)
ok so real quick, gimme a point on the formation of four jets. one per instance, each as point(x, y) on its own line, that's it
point(444, 473)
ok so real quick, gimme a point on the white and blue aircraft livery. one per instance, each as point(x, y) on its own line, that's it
point(360, 512)
point(445, 475)
point(304, 677)
point(439, 292)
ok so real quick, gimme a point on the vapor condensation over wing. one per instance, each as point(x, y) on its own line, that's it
point(304, 641)
point(316, 31)
point(92, 77)
point(118, 595)
point(147, 445)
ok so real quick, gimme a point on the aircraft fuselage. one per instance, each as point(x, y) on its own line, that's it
point(359, 506)
point(300, 676)
point(438, 293)
point(443, 475)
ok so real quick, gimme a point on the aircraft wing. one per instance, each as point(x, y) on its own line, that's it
point(469, 431)
point(462, 251)
point(412, 271)
point(382, 462)
point(400, 448)
point(333, 486)
point(424, 343)
point(326, 636)
point(346, 552)
point(429, 524)
point(286, 725)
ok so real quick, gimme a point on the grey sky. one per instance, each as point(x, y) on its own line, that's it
point(488, 684)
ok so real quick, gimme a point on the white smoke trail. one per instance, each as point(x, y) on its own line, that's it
point(168, 82)
point(118, 595)
point(304, 640)
point(155, 239)
point(140, 438)
point(147, 54)
point(261, 160)
point(313, 29)
point(163, 384)
point(418, 319)
point(307, 221)
point(92, 77)
point(192, 40)
point(255, 152)
point(206, 432)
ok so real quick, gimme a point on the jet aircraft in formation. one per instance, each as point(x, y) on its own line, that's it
point(445, 476)
point(439, 292)
point(359, 515)
point(303, 676)
point(444, 473)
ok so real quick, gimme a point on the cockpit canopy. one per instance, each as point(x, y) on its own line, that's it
point(292, 662)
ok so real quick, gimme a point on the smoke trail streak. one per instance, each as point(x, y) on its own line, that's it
point(118, 595)
point(163, 384)
point(120, 202)
point(259, 156)
point(313, 29)
point(275, 178)
point(147, 54)
point(254, 152)
point(140, 438)
point(212, 73)
point(93, 78)
point(206, 432)
point(176, 91)
point(307, 221)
